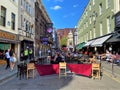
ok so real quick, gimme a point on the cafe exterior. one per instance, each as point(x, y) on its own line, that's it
point(8, 40)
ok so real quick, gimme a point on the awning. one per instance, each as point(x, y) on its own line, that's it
point(89, 43)
point(114, 38)
point(80, 45)
point(100, 41)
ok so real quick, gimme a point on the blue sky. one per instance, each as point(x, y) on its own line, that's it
point(65, 13)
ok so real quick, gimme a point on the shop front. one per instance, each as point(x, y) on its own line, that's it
point(26, 43)
point(8, 41)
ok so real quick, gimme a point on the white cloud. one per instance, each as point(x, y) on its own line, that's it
point(57, 7)
point(76, 5)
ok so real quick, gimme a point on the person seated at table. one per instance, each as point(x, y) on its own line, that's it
point(58, 58)
point(92, 59)
point(52, 59)
point(109, 56)
point(75, 56)
point(68, 57)
point(116, 58)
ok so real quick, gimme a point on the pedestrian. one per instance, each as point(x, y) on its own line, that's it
point(30, 53)
point(26, 54)
point(40, 53)
point(7, 55)
point(12, 61)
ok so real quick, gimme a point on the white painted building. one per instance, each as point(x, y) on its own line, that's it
point(70, 43)
point(26, 27)
point(9, 25)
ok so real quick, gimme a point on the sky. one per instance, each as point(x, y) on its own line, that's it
point(65, 13)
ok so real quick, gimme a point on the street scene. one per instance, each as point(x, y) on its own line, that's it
point(59, 45)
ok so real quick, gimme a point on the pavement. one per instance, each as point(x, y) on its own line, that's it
point(106, 68)
point(5, 74)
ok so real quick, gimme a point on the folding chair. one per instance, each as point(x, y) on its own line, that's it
point(62, 69)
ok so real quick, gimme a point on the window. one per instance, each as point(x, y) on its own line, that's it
point(90, 34)
point(21, 20)
point(90, 7)
point(100, 8)
point(101, 31)
point(107, 3)
point(86, 24)
point(87, 36)
point(93, 2)
point(86, 13)
point(108, 25)
point(13, 21)
point(90, 20)
point(24, 24)
point(3, 16)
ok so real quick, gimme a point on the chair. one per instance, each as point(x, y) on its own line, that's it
point(62, 69)
point(30, 70)
point(95, 70)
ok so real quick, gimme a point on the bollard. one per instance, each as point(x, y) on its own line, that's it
point(113, 69)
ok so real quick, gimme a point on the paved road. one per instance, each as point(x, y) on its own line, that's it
point(115, 70)
point(52, 82)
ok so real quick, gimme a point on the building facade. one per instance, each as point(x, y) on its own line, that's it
point(26, 25)
point(42, 21)
point(61, 33)
point(9, 25)
point(96, 21)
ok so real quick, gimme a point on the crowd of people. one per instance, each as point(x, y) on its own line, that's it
point(83, 57)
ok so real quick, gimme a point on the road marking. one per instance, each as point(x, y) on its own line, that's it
point(110, 76)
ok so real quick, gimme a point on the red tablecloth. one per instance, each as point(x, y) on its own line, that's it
point(47, 69)
point(83, 69)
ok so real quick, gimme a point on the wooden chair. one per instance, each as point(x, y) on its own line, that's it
point(95, 70)
point(62, 69)
point(30, 70)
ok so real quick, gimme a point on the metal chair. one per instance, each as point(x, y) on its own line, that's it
point(62, 69)
point(95, 70)
point(30, 70)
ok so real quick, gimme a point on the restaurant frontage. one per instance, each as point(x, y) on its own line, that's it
point(26, 43)
point(99, 44)
point(8, 41)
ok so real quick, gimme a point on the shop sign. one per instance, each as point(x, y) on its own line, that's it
point(7, 35)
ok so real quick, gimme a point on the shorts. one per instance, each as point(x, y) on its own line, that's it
point(11, 59)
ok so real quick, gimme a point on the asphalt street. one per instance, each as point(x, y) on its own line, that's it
point(52, 82)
